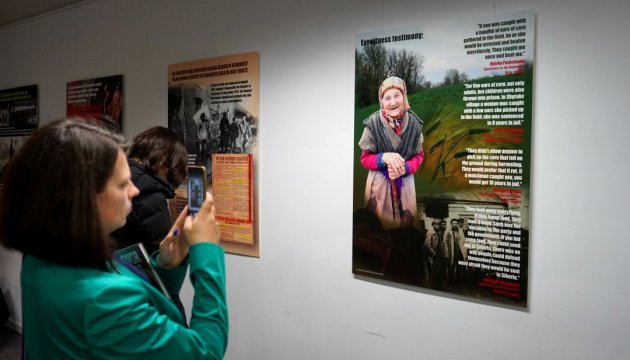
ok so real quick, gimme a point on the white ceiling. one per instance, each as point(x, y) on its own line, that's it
point(14, 11)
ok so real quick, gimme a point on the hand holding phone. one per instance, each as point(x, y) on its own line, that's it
point(196, 188)
point(203, 227)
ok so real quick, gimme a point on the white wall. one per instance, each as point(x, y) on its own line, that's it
point(300, 299)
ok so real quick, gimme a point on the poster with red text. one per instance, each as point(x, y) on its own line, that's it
point(442, 156)
point(97, 99)
point(214, 106)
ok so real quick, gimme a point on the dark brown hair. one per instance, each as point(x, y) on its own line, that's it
point(159, 146)
point(48, 205)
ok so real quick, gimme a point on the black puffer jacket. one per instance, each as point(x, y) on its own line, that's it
point(149, 220)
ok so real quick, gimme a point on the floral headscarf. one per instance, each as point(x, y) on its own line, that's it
point(395, 83)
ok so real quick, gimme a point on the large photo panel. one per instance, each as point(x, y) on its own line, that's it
point(442, 134)
point(214, 106)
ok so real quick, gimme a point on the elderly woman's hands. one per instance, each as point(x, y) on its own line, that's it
point(201, 228)
point(395, 164)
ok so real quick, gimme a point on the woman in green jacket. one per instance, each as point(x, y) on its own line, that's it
point(66, 190)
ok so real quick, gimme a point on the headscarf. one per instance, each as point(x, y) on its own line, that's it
point(394, 82)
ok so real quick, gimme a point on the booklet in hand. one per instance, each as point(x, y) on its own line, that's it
point(136, 256)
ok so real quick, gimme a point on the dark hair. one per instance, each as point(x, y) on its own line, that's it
point(159, 146)
point(48, 205)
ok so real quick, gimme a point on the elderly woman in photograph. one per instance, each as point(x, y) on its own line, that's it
point(391, 147)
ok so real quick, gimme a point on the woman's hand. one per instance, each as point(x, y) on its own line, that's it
point(202, 227)
point(189, 230)
point(393, 172)
point(395, 164)
point(174, 249)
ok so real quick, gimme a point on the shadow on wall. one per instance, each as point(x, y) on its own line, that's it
point(10, 264)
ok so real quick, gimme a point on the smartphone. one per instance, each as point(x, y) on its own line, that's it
point(196, 188)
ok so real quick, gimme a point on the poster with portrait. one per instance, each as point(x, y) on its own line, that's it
point(442, 156)
point(214, 106)
point(19, 117)
point(97, 99)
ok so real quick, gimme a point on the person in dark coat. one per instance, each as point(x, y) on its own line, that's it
point(234, 131)
point(224, 128)
point(157, 160)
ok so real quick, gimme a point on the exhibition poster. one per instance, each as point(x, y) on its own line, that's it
point(19, 117)
point(98, 99)
point(213, 105)
point(442, 156)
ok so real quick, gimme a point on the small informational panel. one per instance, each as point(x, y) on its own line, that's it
point(97, 99)
point(233, 189)
point(19, 117)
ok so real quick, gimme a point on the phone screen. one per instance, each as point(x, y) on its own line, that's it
point(196, 188)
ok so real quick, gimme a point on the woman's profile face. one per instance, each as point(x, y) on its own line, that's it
point(392, 102)
point(114, 202)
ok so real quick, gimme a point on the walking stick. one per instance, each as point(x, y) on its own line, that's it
point(395, 202)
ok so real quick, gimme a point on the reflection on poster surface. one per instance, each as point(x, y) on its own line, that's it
point(443, 119)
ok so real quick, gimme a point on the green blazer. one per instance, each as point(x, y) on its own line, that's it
point(83, 313)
